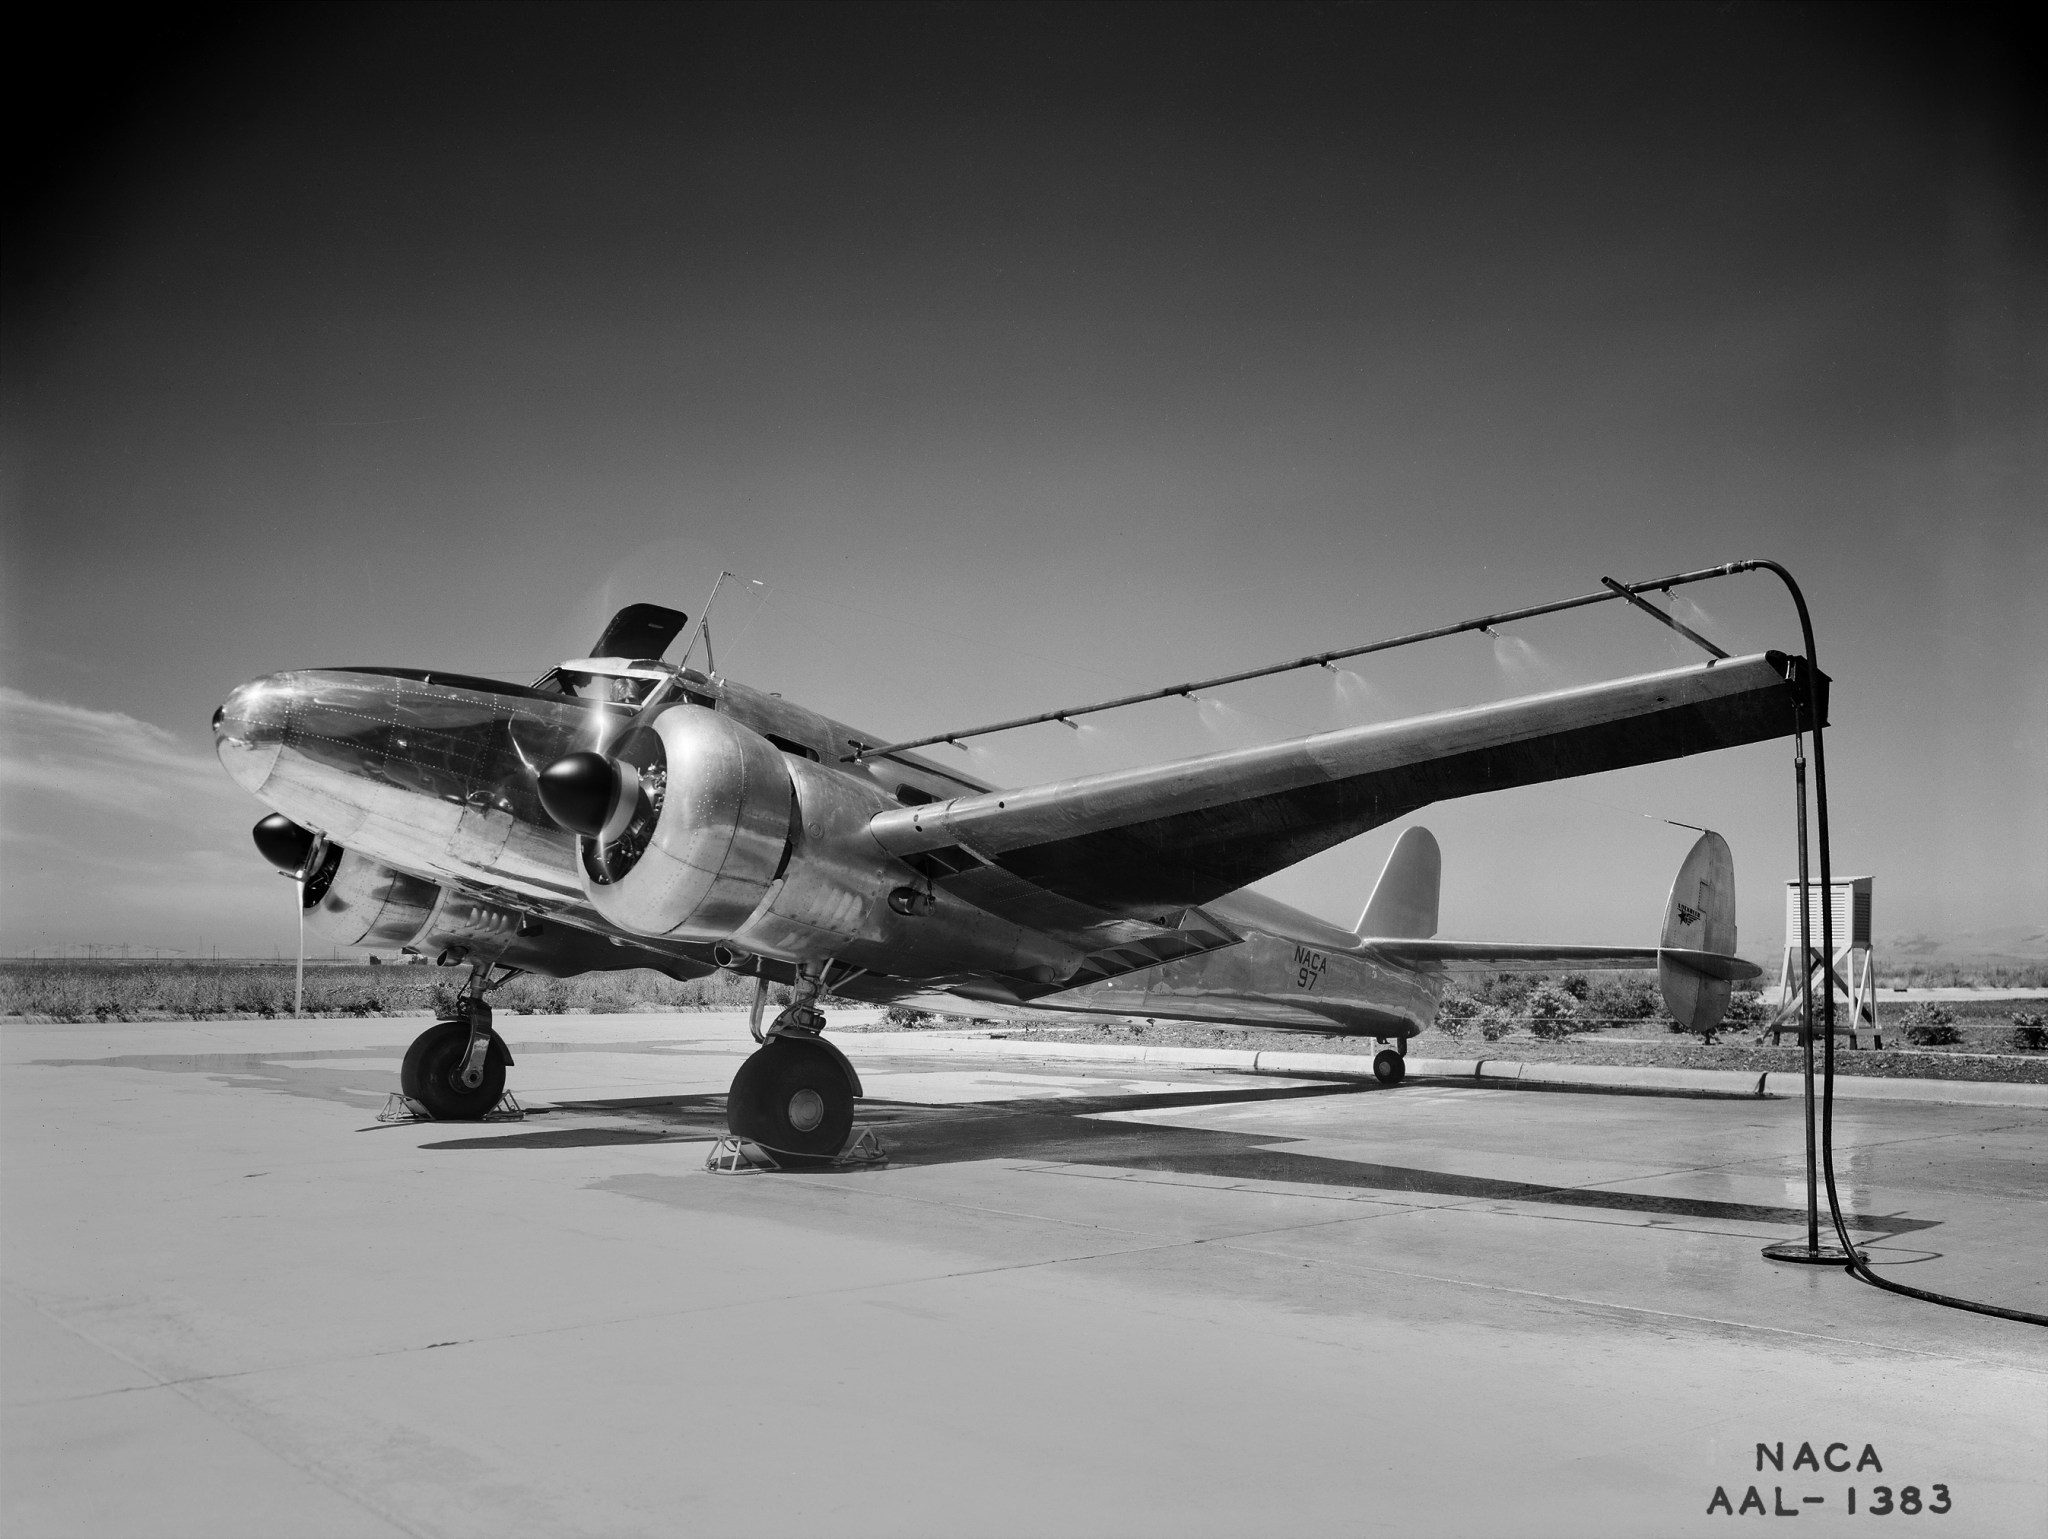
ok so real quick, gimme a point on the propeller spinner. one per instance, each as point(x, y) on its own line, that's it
point(283, 843)
point(588, 794)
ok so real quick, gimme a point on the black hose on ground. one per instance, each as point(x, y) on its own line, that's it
point(1858, 1268)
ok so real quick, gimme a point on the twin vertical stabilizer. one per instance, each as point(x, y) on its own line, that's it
point(1699, 935)
point(1695, 959)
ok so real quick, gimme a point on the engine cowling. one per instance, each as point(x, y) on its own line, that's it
point(355, 901)
point(709, 832)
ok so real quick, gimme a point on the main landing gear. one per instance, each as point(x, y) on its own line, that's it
point(1390, 1064)
point(795, 1095)
point(456, 1068)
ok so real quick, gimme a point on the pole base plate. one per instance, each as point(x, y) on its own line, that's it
point(1811, 1255)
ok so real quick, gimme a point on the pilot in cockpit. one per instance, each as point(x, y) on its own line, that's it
point(613, 689)
point(626, 691)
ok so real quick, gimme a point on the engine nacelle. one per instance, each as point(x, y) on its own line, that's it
point(711, 830)
point(354, 901)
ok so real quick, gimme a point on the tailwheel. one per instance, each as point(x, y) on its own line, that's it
point(1389, 1067)
point(432, 1073)
point(793, 1097)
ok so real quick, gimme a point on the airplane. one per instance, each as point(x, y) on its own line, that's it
point(626, 812)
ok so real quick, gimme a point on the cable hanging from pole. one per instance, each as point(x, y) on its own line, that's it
point(1856, 1265)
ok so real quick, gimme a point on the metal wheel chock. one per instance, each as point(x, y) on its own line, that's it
point(400, 1107)
point(863, 1151)
point(732, 1156)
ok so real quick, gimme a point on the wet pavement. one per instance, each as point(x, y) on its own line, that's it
point(1078, 1299)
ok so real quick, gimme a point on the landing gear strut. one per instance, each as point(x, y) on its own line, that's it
point(456, 1068)
point(796, 1095)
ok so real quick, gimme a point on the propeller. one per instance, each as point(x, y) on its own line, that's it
point(589, 794)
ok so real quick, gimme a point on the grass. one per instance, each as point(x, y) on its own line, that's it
point(125, 991)
point(1962, 975)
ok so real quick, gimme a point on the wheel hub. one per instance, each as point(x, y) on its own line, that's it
point(806, 1110)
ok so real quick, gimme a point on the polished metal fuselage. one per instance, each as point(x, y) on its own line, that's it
point(434, 775)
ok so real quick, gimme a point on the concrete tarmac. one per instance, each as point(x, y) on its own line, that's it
point(1074, 1301)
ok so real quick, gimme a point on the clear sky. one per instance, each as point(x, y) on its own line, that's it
point(1030, 355)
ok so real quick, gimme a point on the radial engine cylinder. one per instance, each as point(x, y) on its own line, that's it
point(710, 831)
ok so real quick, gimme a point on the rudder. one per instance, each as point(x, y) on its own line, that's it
point(1404, 900)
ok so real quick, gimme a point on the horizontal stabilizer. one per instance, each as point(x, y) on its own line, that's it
point(1711, 964)
point(1508, 957)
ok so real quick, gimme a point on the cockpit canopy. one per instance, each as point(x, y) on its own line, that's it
point(627, 664)
point(621, 680)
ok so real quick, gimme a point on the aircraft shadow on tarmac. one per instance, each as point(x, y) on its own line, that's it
point(1071, 1130)
point(1066, 1130)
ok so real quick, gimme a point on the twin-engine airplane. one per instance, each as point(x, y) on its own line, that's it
point(625, 812)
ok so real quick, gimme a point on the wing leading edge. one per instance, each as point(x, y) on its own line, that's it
point(1142, 842)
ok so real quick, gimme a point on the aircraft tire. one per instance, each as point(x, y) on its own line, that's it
point(1388, 1067)
point(792, 1097)
point(429, 1072)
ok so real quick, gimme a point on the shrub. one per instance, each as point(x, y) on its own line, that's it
point(1493, 1022)
point(905, 1016)
point(1621, 999)
point(1508, 990)
point(1456, 1013)
point(1551, 1012)
point(1746, 1011)
point(2029, 1031)
point(1578, 985)
point(1930, 1025)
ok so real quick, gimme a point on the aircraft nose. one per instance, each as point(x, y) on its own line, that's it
point(248, 730)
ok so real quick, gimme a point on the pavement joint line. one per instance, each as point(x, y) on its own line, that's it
point(1660, 1314)
point(1604, 1184)
point(1499, 1207)
point(180, 1388)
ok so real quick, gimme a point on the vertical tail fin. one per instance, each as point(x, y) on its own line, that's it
point(1700, 917)
point(1403, 903)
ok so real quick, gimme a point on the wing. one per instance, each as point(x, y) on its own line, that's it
point(1145, 843)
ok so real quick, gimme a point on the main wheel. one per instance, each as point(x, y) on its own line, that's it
point(430, 1074)
point(792, 1097)
point(1389, 1067)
